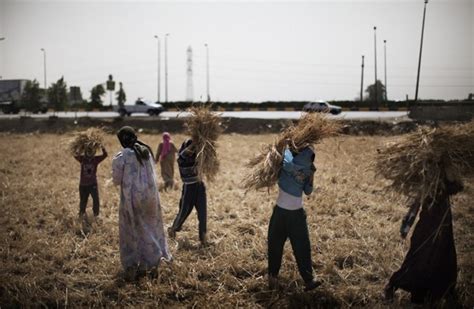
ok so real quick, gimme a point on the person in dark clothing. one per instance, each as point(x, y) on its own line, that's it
point(429, 271)
point(88, 180)
point(193, 194)
point(289, 218)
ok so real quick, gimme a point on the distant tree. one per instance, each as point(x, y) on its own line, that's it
point(121, 96)
point(57, 95)
point(380, 92)
point(31, 96)
point(96, 96)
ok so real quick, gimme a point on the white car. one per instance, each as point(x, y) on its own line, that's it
point(140, 107)
point(322, 106)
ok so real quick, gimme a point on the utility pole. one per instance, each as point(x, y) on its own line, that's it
point(1, 39)
point(375, 52)
point(385, 63)
point(362, 81)
point(421, 48)
point(44, 67)
point(166, 67)
point(158, 69)
point(207, 72)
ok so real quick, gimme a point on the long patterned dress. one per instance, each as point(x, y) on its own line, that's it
point(142, 238)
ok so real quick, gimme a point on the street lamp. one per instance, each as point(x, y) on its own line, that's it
point(207, 72)
point(158, 69)
point(421, 48)
point(166, 67)
point(44, 67)
point(385, 64)
point(375, 49)
point(362, 80)
point(1, 39)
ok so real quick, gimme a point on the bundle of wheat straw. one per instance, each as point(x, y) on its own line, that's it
point(416, 164)
point(265, 166)
point(92, 139)
point(204, 127)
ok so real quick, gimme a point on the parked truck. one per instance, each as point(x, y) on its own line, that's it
point(140, 106)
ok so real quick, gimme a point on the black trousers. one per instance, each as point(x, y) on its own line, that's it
point(84, 192)
point(289, 224)
point(192, 195)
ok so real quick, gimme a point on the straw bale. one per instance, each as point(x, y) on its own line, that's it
point(204, 127)
point(265, 166)
point(417, 163)
point(92, 138)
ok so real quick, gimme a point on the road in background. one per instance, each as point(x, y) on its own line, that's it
point(380, 116)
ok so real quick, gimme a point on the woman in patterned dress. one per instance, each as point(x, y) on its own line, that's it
point(142, 239)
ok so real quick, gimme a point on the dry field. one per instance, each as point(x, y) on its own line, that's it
point(49, 258)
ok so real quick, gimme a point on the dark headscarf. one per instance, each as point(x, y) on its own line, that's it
point(128, 139)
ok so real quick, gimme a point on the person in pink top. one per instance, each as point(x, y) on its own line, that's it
point(88, 181)
point(166, 155)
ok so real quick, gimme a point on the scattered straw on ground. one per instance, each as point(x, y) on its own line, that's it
point(415, 164)
point(204, 127)
point(48, 259)
point(265, 166)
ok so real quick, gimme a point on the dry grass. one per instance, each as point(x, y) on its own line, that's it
point(204, 127)
point(265, 167)
point(48, 258)
point(415, 163)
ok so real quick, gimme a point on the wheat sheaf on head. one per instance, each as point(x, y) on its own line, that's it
point(204, 127)
point(92, 138)
point(416, 163)
point(265, 167)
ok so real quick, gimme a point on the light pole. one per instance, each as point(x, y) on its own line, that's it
point(158, 68)
point(207, 72)
point(44, 67)
point(421, 48)
point(362, 81)
point(1, 39)
point(385, 64)
point(166, 67)
point(375, 52)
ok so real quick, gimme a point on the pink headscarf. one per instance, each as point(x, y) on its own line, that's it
point(166, 145)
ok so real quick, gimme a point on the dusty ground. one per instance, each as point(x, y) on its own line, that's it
point(49, 258)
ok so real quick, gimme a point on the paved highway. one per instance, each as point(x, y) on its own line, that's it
point(380, 116)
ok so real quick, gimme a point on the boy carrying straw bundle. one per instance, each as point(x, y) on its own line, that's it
point(289, 162)
point(426, 166)
point(197, 158)
point(83, 148)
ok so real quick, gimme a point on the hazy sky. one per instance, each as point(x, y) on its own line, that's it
point(259, 50)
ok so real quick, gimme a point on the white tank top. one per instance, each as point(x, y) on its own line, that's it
point(288, 201)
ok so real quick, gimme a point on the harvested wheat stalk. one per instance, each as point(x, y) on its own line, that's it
point(90, 139)
point(416, 164)
point(204, 127)
point(265, 166)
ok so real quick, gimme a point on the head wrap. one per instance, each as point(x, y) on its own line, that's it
point(128, 139)
point(166, 145)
